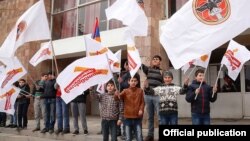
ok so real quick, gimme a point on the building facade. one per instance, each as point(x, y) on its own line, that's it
point(71, 20)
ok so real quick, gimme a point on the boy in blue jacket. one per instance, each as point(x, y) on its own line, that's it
point(200, 105)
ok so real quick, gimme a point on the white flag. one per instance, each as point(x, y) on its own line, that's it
point(116, 66)
point(131, 14)
point(187, 66)
point(134, 60)
point(100, 88)
point(202, 61)
point(201, 26)
point(94, 47)
point(31, 26)
point(234, 58)
point(14, 71)
point(8, 98)
point(82, 74)
point(44, 53)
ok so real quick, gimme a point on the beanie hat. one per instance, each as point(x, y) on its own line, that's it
point(168, 73)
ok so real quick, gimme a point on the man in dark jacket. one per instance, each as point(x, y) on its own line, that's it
point(78, 107)
point(23, 101)
point(200, 104)
point(50, 103)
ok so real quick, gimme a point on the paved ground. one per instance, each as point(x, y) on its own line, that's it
point(12, 134)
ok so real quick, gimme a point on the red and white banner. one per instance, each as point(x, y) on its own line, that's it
point(94, 48)
point(31, 26)
point(134, 60)
point(13, 72)
point(234, 58)
point(116, 66)
point(8, 98)
point(82, 74)
point(200, 26)
point(44, 53)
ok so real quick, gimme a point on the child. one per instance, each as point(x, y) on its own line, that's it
point(154, 79)
point(168, 108)
point(111, 111)
point(200, 106)
point(133, 108)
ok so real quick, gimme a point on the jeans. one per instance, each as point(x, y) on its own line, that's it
point(200, 119)
point(50, 112)
point(62, 114)
point(13, 118)
point(152, 105)
point(22, 114)
point(39, 109)
point(170, 119)
point(79, 108)
point(109, 125)
point(133, 124)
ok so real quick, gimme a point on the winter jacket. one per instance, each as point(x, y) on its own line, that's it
point(168, 97)
point(154, 78)
point(201, 104)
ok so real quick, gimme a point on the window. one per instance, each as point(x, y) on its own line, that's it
point(62, 5)
point(87, 15)
point(64, 25)
point(71, 18)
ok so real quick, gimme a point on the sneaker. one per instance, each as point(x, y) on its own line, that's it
point(36, 129)
point(44, 130)
point(14, 126)
point(76, 132)
point(85, 132)
point(9, 126)
point(66, 131)
point(51, 131)
point(149, 138)
point(123, 137)
point(58, 131)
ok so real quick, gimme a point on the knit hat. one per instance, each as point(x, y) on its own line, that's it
point(168, 73)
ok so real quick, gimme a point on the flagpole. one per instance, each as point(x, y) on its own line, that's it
point(53, 52)
point(196, 95)
point(217, 78)
point(32, 79)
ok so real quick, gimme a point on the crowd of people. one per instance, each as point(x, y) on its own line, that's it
point(121, 107)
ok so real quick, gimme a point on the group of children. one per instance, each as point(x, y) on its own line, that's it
point(127, 107)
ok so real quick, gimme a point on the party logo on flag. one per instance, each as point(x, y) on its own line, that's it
point(211, 12)
point(85, 75)
point(234, 62)
point(10, 75)
point(44, 52)
point(98, 52)
point(204, 58)
point(131, 62)
point(8, 95)
point(20, 28)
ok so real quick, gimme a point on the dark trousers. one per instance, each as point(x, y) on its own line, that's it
point(109, 125)
point(22, 114)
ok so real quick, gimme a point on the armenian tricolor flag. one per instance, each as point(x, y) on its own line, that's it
point(96, 32)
